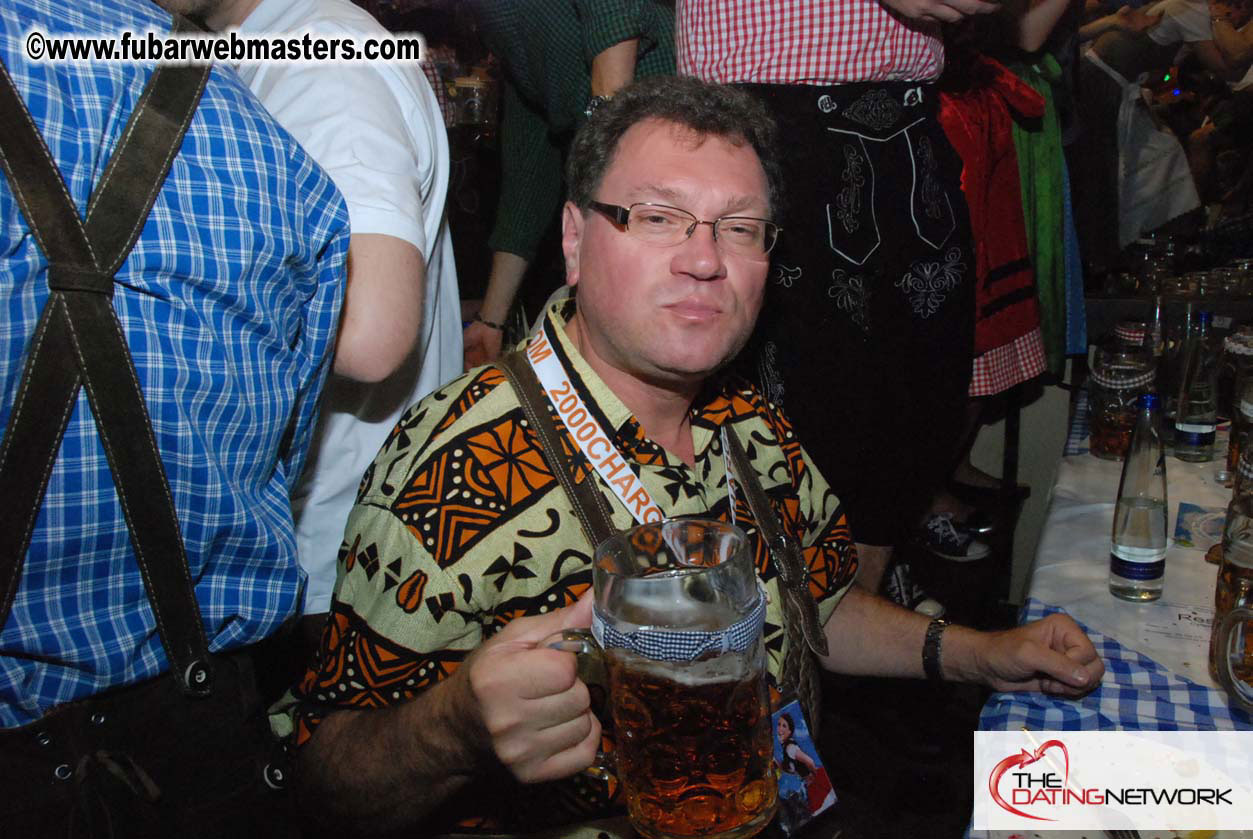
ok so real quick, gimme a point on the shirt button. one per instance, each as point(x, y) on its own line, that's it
point(63, 772)
point(43, 738)
point(97, 718)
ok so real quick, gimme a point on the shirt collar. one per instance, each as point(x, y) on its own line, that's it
point(717, 402)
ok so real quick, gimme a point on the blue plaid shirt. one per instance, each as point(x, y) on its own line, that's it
point(230, 302)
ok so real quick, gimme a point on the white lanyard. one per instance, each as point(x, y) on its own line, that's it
point(587, 433)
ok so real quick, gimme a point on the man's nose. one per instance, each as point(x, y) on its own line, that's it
point(700, 255)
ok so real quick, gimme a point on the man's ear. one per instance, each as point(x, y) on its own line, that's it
point(572, 223)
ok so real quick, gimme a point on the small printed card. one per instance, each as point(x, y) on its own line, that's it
point(804, 788)
point(1199, 527)
point(1180, 625)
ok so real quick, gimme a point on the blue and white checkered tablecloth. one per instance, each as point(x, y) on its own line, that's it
point(1077, 434)
point(1136, 694)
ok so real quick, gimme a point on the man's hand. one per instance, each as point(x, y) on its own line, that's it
point(940, 11)
point(1051, 655)
point(482, 344)
point(534, 710)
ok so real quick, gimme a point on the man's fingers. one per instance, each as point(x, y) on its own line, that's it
point(1055, 665)
point(565, 762)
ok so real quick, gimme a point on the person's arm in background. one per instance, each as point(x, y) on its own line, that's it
point(1035, 23)
point(941, 11)
point(382, 308)
point(530, 193)
point(354, 127)
point(531, 170)
point(1235, 44)
point(614, 68)
point(1126, 18)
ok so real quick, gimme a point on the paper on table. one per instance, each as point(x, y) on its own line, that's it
point(1176, 625)
point(1199, 527)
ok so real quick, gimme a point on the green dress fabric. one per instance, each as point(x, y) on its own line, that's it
point(1042, 174)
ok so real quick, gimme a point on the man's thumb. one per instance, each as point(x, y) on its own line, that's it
point(537, 628)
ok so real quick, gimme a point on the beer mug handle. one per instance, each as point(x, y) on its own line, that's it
point(591, 669)
point(1228, 631)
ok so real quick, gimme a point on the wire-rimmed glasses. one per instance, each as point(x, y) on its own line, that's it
point(663, 226)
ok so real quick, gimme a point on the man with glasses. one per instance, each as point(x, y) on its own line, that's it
point(434, 701)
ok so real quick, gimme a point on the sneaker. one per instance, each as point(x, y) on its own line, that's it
point(951, 541)
point(900, 588)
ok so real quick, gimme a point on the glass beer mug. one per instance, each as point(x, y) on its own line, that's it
point(1231, 639)
point(1233, 649)
point(678, 622)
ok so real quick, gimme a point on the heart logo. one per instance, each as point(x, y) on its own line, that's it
point(1025, 758)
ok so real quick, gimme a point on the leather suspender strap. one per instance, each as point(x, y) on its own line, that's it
point(800, 612)
point(589, 504)
point(79, 341)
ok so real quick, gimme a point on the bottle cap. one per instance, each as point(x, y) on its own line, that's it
point(1205, 318)
point(1150, 401)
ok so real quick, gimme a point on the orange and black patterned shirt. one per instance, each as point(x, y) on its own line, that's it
point(460, 527)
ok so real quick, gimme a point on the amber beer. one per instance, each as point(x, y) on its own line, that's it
point(694, 759)
point(1234, 588)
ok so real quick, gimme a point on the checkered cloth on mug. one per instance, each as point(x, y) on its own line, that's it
point(1136, 694)
point(680, 644)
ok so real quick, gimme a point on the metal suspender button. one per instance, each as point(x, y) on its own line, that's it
point(275, 777)
point(198, 678)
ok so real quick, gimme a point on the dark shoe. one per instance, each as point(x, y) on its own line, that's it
point(900, 588)
point(943, 537)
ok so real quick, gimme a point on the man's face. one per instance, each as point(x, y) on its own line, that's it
point(668, 315)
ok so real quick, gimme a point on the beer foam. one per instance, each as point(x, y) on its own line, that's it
point(727, 667)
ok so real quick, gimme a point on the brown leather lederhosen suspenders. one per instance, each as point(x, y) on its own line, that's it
point(800, 613)
point(79, 343)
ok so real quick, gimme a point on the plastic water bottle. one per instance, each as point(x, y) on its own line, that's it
point(1197, 415)
point(1137, 558)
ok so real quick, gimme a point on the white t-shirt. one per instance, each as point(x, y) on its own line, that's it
point(376, 129)
point(1182, 21)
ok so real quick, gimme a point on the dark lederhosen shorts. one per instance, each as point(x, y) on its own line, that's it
point(866, 338)
point(146, 761)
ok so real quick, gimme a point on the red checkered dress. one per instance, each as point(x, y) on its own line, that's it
point(1001, 368)
point(791, 42)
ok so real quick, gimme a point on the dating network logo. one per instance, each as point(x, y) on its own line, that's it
point(1027, 787)
point(1040, 779)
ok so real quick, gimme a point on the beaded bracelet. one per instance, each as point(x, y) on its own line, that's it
point(478, 318)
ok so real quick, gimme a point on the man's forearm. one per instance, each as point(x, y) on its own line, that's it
point(1236, 44)
point(870, 636)
point(613, 69)
point(420, 752)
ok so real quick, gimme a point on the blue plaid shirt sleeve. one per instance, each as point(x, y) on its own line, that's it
point(229, 302)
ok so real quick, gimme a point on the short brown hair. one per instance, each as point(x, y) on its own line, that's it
point(708, 110)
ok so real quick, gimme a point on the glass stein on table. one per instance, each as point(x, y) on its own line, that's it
point(1231, 639)
point(1122, 371)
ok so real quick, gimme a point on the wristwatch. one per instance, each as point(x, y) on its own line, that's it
point(594, 103)
point(931, 650)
